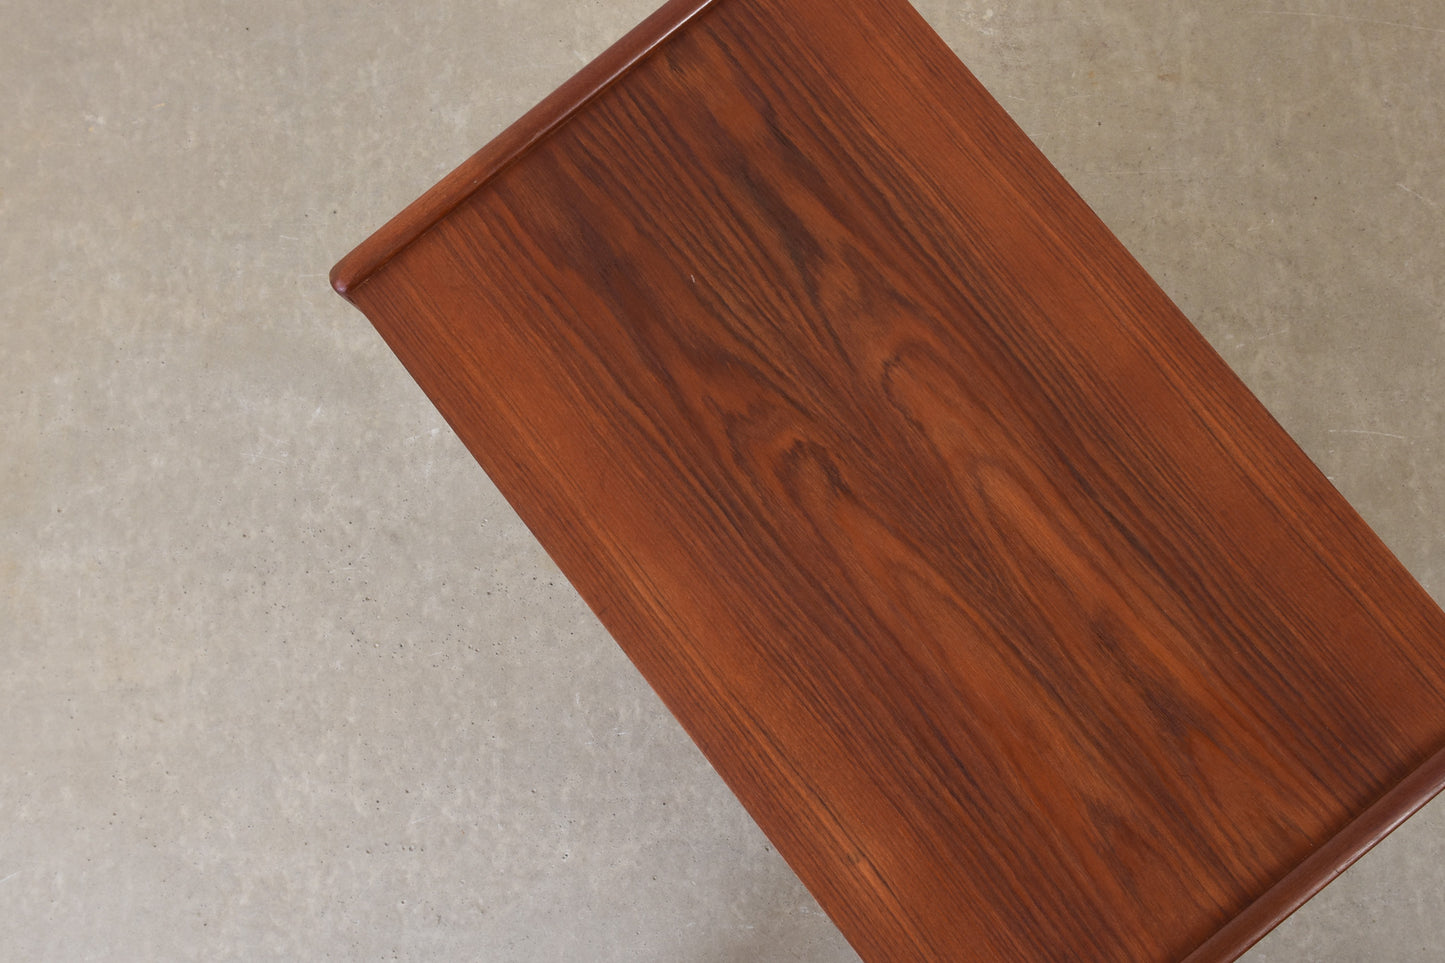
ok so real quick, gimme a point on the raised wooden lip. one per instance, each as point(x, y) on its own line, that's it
point(1325, 864)
point(514, 142)
point(1321, 867)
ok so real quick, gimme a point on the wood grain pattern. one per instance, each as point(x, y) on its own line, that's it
point(1016, 622)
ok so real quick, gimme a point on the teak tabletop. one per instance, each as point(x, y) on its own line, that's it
point(1015, 621)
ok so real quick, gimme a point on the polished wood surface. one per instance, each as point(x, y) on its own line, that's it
point(1016, 622)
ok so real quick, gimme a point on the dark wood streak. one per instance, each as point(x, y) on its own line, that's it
point(1016, 622)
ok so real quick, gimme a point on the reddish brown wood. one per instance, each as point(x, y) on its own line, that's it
point(512, 143)
point(1013, 618)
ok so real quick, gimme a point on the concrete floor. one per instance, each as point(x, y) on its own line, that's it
point(281, 676)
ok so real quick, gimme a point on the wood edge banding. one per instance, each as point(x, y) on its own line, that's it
point(513, 143)
point(1324, 865)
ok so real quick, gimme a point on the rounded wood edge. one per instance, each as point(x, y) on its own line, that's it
point(512, 143)
point(1322, 866)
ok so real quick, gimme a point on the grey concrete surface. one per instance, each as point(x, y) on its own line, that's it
point(281, 676)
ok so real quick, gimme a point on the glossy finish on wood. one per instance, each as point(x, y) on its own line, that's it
point(1013, 618)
